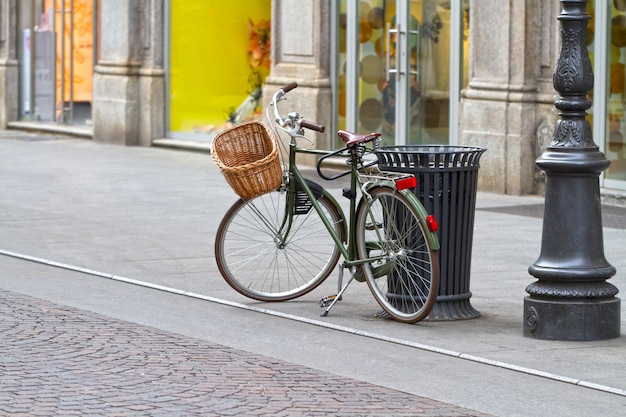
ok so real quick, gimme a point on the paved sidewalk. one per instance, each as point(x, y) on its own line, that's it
point(57, 360)
point(96, 213)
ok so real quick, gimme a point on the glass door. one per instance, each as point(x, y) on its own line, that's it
point(57, 56)
point(396, 72)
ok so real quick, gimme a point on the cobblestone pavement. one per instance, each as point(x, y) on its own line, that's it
point(57, 360)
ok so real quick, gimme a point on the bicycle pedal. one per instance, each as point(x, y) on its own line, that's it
point(326, 301)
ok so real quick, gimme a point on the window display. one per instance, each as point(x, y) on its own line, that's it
point(219, 58)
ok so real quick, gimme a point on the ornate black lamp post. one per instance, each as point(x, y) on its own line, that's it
point(571, 299)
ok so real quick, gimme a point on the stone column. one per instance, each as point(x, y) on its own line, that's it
point(498, 107)
point(301, 53)
point(8, 63)
point(129, 87)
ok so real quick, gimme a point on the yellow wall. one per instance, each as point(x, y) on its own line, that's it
point(209, 63)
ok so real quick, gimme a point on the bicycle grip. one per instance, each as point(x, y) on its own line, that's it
point(287, 88)
point(312, 126)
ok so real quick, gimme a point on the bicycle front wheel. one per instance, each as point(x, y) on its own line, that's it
point(263, 258)
point(404, 273)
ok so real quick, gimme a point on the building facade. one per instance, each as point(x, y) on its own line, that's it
point(423, 72)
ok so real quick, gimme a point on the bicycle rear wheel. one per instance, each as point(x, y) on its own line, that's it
point(405, 277)
point(263, 263)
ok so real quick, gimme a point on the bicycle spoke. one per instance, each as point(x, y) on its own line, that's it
point(265, 254)
point(404, 278)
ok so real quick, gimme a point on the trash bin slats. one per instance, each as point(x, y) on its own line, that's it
point(447, 180)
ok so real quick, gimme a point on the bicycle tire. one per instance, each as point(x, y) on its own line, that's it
point(256, 264)
point(405, 281)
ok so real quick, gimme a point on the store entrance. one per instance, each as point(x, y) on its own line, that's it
point(400, 68)
point(57, 57)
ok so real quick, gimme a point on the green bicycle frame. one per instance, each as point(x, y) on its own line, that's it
point(348, 251)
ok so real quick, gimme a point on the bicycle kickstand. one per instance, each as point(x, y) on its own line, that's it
point(330, 300)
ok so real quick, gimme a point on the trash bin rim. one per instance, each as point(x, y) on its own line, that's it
point(431, 149)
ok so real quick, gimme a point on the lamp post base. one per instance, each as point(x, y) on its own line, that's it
point(571, 320)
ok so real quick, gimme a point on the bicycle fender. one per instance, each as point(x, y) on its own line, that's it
point(433, 240)
point(316, 189)
point(344, 223)
point(422, 214)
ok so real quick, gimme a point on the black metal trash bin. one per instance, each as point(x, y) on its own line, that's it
point(447, 178)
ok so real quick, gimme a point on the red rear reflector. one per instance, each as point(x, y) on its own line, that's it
point(433, 226)
point(404, 183)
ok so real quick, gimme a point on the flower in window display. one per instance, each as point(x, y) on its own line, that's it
point(258, 52)
point(259, 48)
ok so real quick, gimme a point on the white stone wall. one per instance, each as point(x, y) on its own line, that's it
point(512, 53)
point(301, 53)
point(129, 80)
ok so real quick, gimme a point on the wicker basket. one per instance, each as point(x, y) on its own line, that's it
point(248, 157)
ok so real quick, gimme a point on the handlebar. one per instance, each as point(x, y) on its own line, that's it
point(312, 126)
point(293, 125)
point(293, 120)
point(287, 88)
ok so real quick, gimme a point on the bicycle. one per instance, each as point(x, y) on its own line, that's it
point(284, 243)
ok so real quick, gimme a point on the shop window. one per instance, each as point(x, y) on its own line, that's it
point(57, 52)
point(219, 57)
point(615, 148)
